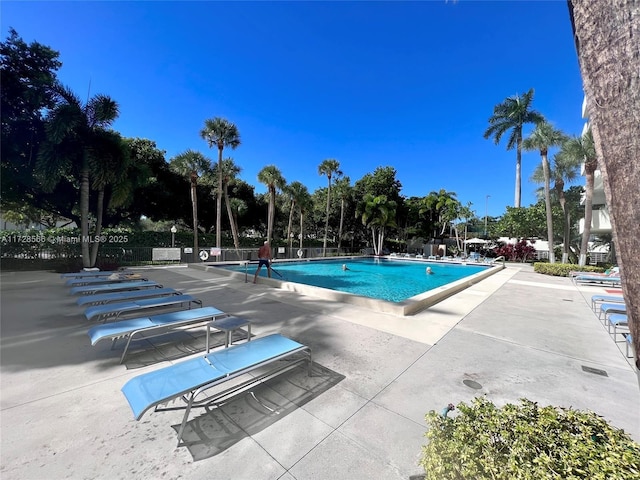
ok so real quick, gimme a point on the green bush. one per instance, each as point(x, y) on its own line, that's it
point(563, 269)
point(526, 442)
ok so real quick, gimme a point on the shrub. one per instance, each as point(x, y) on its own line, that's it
point(562, 269)
point(518, 442)
point(520, 252)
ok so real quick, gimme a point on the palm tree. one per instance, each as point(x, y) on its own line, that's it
point(328, 167)
point(543, 137)
point(192, 165)
point(512, 115)
point(73, 129)
point(273, 179)
point(563, 169)
point(377, 213)
point(444, 206)
point(343, 187)
point(582, 149)
point(116, 170)
point(610, 78)
point(221, 133)
point(294, 191)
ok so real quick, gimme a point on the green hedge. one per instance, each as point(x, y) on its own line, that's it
point(526, 442)
point(563, 269)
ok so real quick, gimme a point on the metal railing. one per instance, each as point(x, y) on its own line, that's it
point(69, 258)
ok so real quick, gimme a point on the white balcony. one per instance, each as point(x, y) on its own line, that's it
point(600, 222)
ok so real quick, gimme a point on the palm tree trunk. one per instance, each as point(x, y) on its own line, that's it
point(588, 217)
point(341, 224)
point(271, 212)
point(290, 226)
point(301, 219)
point(234, 230)
point(547, 203)
point(373, 234)
point(194, 205)
point(84, 216)
point(326, 223)
point(518, 195)
point(99, 214)
point(219, 201)
point(612, 87)
point(566, 234)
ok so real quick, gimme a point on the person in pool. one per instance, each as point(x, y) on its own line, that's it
point(344, 266)
point(264, 258)
point(429, 271)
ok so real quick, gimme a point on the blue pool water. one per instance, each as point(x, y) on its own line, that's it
point(391, 280)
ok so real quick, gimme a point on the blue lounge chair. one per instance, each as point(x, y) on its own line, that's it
point(102, 298)
point(617, 320)
point(189, 379)
point(152, 326)
point(112, 311)
point(595, 299)
point(78, 282)
point(597, 279)
point(94, 273)
point(113, 287)
point(609, 308)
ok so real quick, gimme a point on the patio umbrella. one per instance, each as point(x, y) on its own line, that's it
point(477, 241)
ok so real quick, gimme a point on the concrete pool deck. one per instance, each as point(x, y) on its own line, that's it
point(361, 416)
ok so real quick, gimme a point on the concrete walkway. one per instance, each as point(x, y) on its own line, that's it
point(360, 416)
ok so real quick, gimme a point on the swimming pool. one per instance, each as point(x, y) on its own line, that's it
point(392, 285)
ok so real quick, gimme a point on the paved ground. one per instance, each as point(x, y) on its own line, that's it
point(361, 416)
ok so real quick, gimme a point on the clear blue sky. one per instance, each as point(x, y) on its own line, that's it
point(405, 84)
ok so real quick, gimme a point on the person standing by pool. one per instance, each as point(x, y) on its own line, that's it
point(264, 258)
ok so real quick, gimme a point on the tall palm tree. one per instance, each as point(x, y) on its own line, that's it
point(343, 187)
point(543, 137)
point(192, 165)
point(273, 179)
point(73, 129)
point(377, 213)
point(511, 115)
point(582, 149)
point(221, 133)
point(328, 167)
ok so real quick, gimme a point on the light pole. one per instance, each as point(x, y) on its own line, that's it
point(173, 236)
point(486, 214)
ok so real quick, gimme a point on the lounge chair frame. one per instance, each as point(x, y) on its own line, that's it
point(113, 287)
point(126, 295)
point(112, 311)
point(159, 325)
point(189, 395)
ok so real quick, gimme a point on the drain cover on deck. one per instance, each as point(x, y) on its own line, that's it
point(472, 384)
point(594, 370)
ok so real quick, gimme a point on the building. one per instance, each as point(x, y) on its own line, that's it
point(600, 222)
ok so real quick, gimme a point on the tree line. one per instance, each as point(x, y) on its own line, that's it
point(62, 159)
